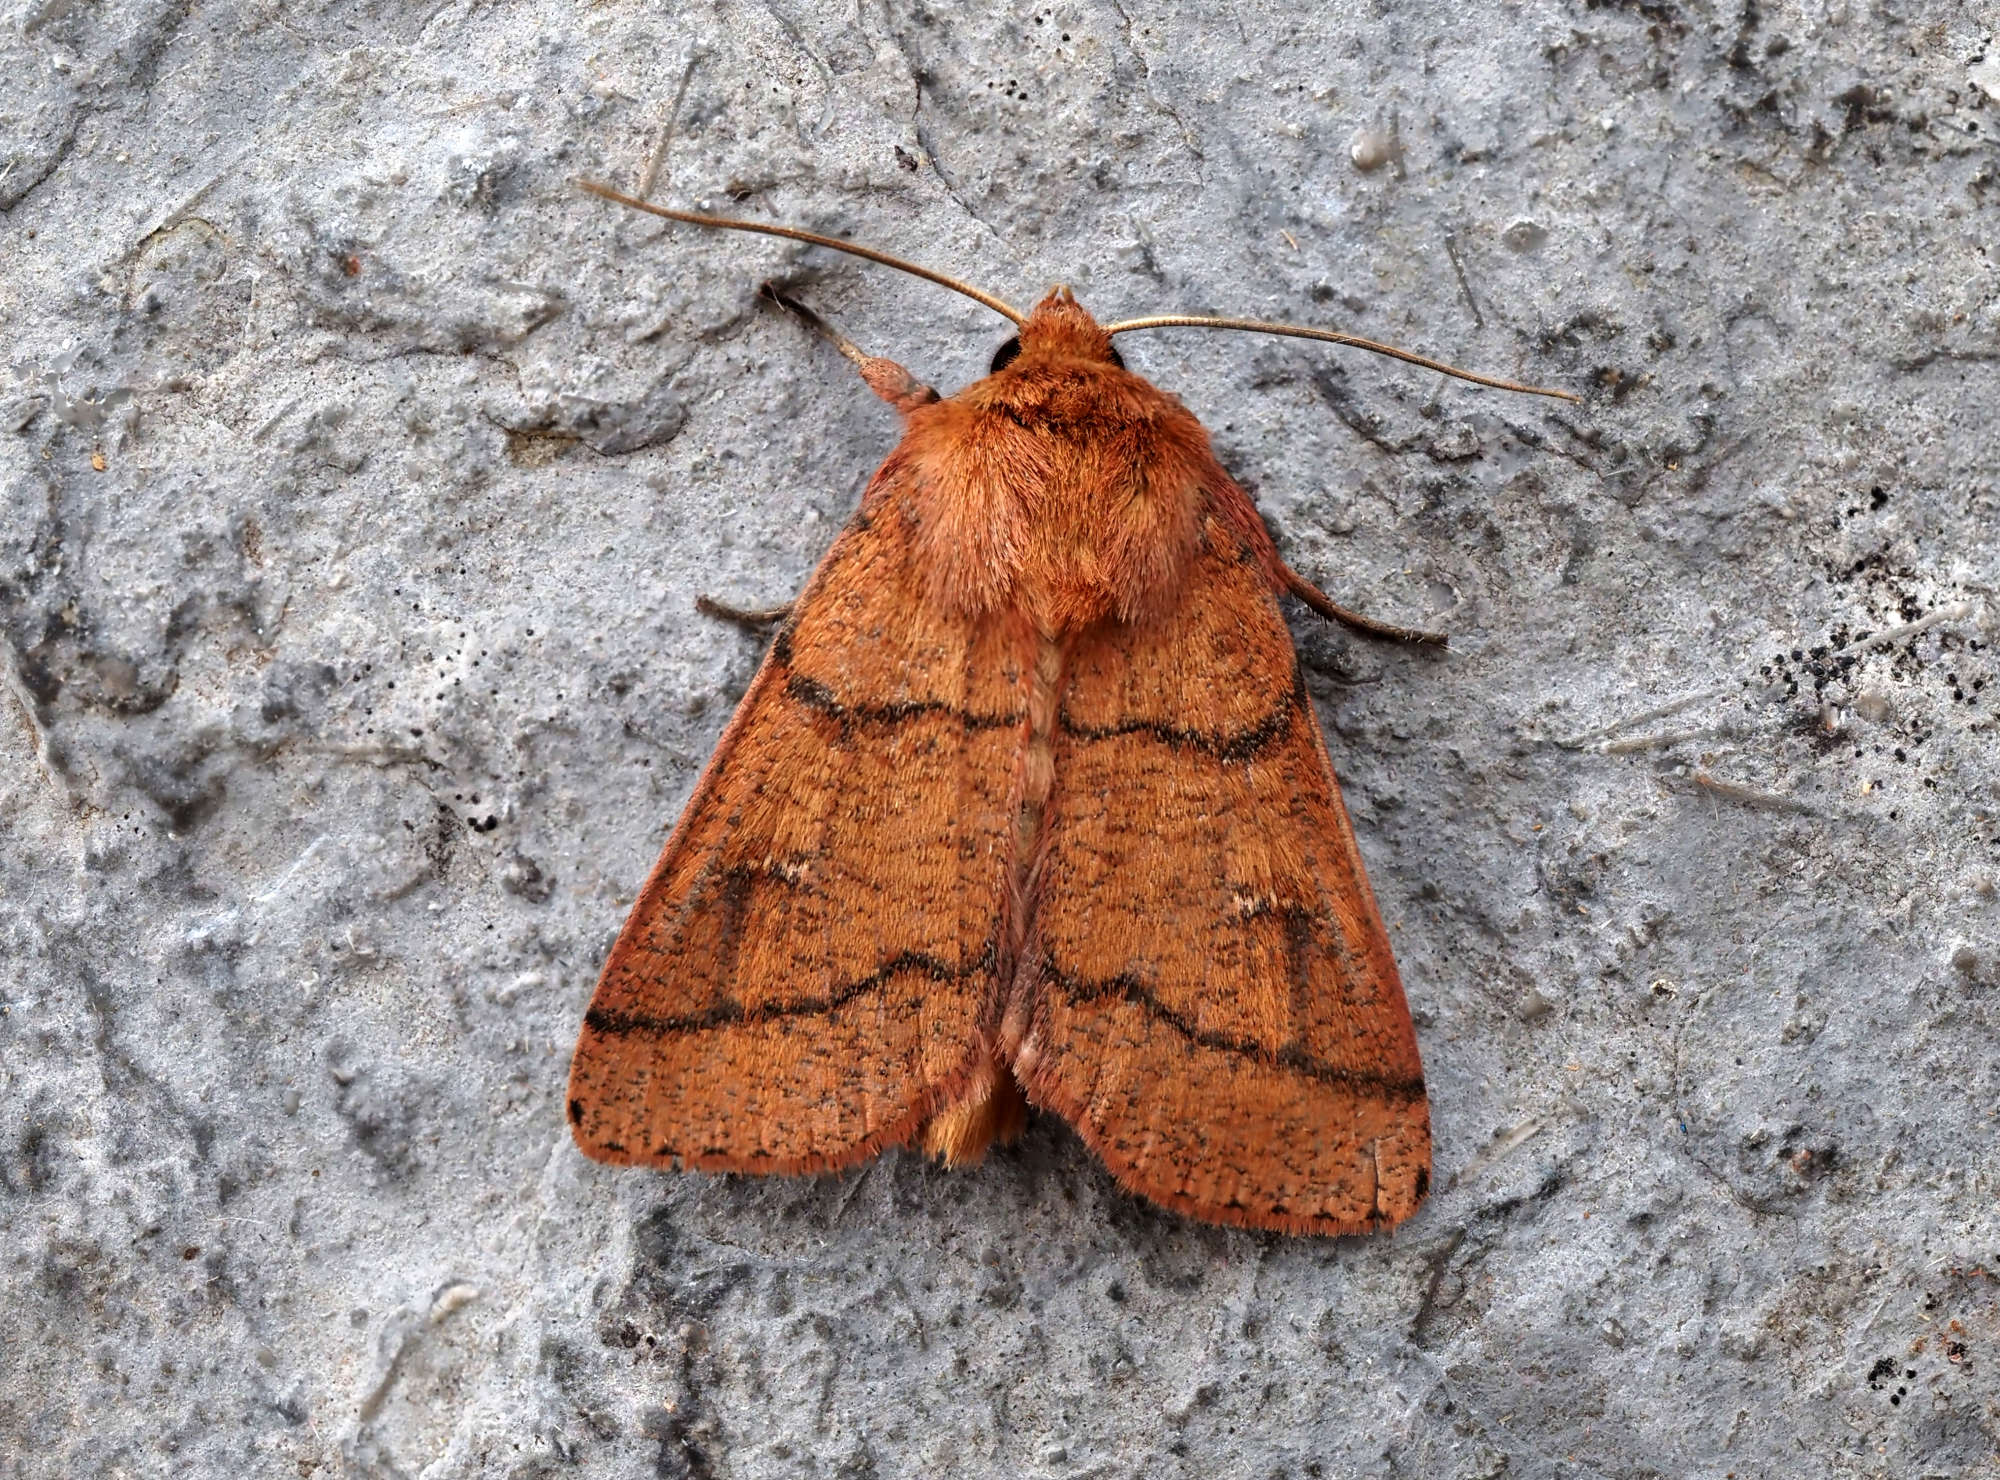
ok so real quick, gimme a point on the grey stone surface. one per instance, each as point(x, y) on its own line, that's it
point(357, 477)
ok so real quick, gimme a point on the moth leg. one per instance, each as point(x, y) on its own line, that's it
point(756, 618)
point(886, 378)
point(990, 1108)
point(1318, 600)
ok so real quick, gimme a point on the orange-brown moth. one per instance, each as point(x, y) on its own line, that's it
point(1028, 804)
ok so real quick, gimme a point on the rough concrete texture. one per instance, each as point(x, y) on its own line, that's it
point(360, 476)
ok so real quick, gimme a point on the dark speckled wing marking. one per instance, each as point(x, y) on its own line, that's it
point(814, 965)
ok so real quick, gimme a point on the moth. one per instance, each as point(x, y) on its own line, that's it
point(1028, 804)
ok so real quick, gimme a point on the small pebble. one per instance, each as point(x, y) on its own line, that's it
point(1872, 705)
point(452, 1297)
point(1372, 148)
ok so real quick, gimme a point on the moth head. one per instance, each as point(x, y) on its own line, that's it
point(1061, 328)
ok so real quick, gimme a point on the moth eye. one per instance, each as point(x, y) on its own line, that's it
point(1116, 358)
point(1005, 355)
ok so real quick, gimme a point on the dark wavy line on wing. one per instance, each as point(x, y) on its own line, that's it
point(1243, 745)
point(1290, 1056)
point(816, 695)
point(732, 1014)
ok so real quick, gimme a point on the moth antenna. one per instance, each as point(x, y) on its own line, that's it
point(794, 233)
point(1330, 336)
